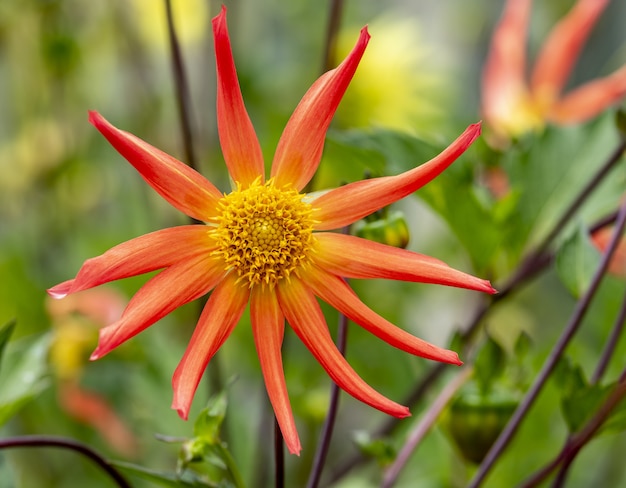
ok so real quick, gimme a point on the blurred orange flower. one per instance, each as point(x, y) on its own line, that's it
point(75, 323)
point(511, 105)
point(601, 239)
point(264, 243)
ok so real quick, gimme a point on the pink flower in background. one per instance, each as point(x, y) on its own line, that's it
point(267, 244)
point(512, 104)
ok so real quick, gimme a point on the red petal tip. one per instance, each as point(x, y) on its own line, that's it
point(182, 413)
point(61, 290)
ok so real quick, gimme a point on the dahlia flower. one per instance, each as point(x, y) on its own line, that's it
point(268, 244)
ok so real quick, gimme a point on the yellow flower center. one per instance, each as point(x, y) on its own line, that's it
point(263, 232)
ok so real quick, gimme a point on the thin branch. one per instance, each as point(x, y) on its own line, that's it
point(579, 312)
point(70, 444)
point(330, 45)
point(279, 455)
point(329, 423)
point(182, 88)
point(422, 428)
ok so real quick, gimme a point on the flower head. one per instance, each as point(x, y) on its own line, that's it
point(512, 105)
point(265, 243)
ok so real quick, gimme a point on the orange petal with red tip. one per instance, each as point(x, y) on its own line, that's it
point(590, 99)
point(349, 203)
point(185, 189)
point(354, 257)
point(562, 49)
point(140, 255)
point(300, 147)
point(240, 146)
point(170, 289)
point(268, 327)
point(305, 317)
point(504, 75)
point(217, 321)
point(336, 292)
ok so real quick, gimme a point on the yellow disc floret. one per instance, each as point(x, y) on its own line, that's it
point(263, 233)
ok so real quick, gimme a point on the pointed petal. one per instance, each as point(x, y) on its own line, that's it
point(300, 147)
point(353, 257)
point(561, 50)
point(185, 189)
point(349, 203)
point(268, 327)
point(504, 86)
point(305, 317)
point(170, 289)
point(217, 321)
point(337, 293)
point(590, 99)
point(143, 254)
point(240, 146)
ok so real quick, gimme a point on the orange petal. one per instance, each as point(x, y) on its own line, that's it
point(300, 147)
point(347, 204)
point(185, 189)
point(217, 321)
point(353, 257)
point(590, 99)
point(305, 317)
point(240, 146)
point(561, 50)
point(140, 255)
point(503, 83)
point(268, 326)
point(170, 289)
point(336, 292)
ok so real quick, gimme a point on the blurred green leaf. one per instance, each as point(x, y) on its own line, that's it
point(380, 449)
point(24, 374)
point(550, 170)
point(162, 479)
point(569, 377)
point(5, 334)
point(522, 345)
point(489, 364)
point(210, 419)
point(576, 261)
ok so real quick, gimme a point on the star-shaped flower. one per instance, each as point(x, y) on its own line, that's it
point(268, 244)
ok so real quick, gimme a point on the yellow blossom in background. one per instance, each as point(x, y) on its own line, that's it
point(190, 16)
point(401, 86)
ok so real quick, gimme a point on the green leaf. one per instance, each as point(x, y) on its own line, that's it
point(551, 169)
point(170, 480)
point(580, 405)
point(380, 449)
point(24, 375)
point(5, 334)
point(522, 345)
point(569, 377)
point(209, 422)
point(489, 364)
point(576, 262)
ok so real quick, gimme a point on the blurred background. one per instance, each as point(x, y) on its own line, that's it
point(66, 196)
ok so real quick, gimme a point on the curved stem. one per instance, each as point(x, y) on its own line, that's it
point(65, 443)
point(579, 312)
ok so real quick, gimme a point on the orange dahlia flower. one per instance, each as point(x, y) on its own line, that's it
point(511, 105)
point(265, 243)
